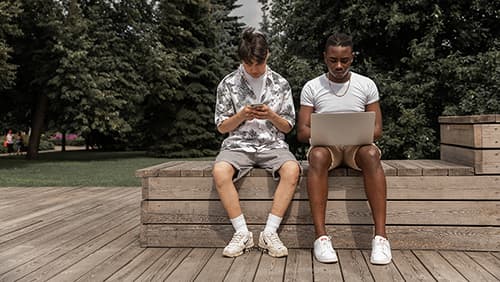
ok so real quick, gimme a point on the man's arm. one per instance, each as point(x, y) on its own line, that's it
point(375, 107)
point(230, 124)
point(304, 123)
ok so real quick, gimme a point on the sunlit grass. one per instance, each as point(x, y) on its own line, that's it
point(75, 168)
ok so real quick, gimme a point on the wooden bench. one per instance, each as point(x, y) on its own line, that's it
point(448, 204)
point(432, 204)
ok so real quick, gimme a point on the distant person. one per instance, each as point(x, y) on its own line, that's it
point(342, 90)
point(254, 105)
point(18, 143)
point(10, 142)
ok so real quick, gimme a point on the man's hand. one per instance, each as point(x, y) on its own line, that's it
point(261, 111)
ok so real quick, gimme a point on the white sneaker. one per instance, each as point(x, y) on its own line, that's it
point(271, 242)
point(323, 250)
point(381, 251)
point(241, 241)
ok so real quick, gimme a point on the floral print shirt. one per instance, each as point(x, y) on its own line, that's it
point(234, 93)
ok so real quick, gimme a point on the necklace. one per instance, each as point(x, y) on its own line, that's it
point(337, 94)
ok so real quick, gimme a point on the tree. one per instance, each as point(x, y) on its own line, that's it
point(38, 59)
point(423, 55)
point(191, 32)
point(9, 11)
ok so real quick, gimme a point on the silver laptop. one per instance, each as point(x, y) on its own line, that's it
point(342, 128)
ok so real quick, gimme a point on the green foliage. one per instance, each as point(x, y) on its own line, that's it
point(9, 10)
point(428, 59)
point(182, 113)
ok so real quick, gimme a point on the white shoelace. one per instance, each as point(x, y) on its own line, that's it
point(275, 240)
point(237, 239)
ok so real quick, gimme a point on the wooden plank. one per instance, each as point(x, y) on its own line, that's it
point(388, 169)
point(352, 237)
point(326, 271)
point(198, 169)
point(93, 260)
point(17, 253)
point(430, 167)
point(192, 264)
point(106, 268)
point(438, 266)
point(244, 267)
point(270, 269)
point(216, 267)
point(490, 136)
point(189, 168)
point(132, 270)
point(153, 170)
point(298, 265)
point(488, 261)
point(409, 266)
point(387, 272)
point(409, 187)
point(458, 134)
point(24, 224)
point(491, 118)
point(455, 169)
point(471, 135)
point(467, 266)
point(354, 266)
point(337, 212)
point(483, 161)
point(48, 205)
point(405, 168)
point(48, 265)
point(166, 264)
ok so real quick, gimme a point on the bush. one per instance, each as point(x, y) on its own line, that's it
point(71, 139)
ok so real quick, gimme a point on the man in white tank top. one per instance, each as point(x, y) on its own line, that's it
point(341, 90)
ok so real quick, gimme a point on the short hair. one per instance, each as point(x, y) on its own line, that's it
point(339, 39)
point(253, 46)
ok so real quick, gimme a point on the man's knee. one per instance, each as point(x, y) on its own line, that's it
point(319, 157)
point(368, 155)
point(290, 171)
point(221, 172)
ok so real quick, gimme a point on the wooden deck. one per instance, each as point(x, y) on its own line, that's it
point(91, 234)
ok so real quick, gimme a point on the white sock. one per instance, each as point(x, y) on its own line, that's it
point(272, 224)
point(239, 223)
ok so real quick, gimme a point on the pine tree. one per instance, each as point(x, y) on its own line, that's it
point(196, 32)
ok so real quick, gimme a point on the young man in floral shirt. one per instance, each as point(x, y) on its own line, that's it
point(255, 106)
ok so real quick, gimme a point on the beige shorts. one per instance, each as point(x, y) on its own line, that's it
point(343, 155)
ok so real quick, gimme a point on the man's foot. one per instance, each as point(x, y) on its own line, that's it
point(271, 242)
point(241, 241)
point(381, 251)
point(323, 250)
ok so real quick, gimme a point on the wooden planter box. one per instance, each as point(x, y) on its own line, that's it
point(472, 141)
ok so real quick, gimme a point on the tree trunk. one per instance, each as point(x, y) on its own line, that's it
point(63, 141)
point(37, 124)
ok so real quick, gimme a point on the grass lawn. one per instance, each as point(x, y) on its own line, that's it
point(75, 168)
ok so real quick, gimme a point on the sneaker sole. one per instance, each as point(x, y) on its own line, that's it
point(327, 261)
point(380, 262)
point(273, 254)
point(245, 250)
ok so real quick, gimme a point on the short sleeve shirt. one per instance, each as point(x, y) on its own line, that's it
point(234, 93)
point(319, 93)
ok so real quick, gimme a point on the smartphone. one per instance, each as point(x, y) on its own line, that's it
point(256, 105)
